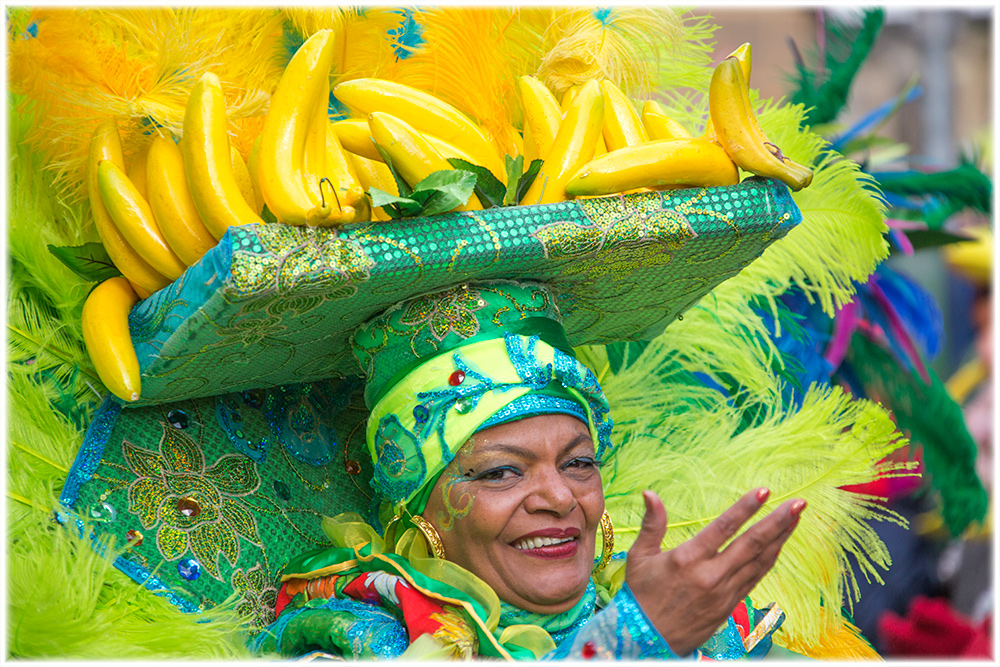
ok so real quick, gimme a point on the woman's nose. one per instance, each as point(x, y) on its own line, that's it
point(550, 493)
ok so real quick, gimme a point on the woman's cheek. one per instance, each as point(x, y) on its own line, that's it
point(457, 500)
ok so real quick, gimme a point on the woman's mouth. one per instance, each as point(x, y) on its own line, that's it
point(562, 544)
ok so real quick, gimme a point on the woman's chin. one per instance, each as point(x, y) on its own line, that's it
point(550, 589)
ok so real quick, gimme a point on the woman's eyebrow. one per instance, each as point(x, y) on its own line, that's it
point(528, 452)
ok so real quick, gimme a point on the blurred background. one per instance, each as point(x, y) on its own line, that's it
point(917, 113)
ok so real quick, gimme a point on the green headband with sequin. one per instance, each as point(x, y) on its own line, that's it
point(442, 366)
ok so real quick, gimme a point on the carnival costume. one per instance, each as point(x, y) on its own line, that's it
point(253, 418)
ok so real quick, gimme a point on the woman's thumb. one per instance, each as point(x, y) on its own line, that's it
point(654, 527)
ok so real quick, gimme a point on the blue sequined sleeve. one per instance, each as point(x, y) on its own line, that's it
point(620, 631)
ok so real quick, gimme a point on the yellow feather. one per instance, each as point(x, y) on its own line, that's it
point(845, 642)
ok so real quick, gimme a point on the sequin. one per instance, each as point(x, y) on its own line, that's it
point(189, 568)
point(178, 419)
point(456, 378)
point(104, 513)
point(189, 507)
point(282, 489)
point(134, 537)
point(352, 467)
point(421, 413)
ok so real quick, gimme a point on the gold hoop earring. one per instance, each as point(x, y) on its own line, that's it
point(608, 540)
point(431, 534)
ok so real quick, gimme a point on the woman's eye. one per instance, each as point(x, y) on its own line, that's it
point(582, 463)
point(498, 474)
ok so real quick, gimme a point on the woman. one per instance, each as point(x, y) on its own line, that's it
point(487, 447)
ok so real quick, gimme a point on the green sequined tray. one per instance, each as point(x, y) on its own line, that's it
point(274, 304)
point(216, 494)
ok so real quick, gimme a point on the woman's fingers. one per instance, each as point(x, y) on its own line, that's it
point(768, 534)
point(707, 543)
point(654, 527)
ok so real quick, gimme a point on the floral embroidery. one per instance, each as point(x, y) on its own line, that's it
point(446, 312)
point(258, 597)
point(178, 472)
point(456, 632)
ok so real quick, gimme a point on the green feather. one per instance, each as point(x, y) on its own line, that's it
point(935, 424)
point(847, 48)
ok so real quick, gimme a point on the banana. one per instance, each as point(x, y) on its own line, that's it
point(573, 146)
point(659, 125)
point(541, 115)
point(517, 143)
point(208, 160)
point(372, 173)
point(424, 113)
point(304, 86)
point(171, 203)
point(253, 168)
point(739, 133)
point(341, 170)
point(356, 137)
point(106, 145)
point(744, 54)
point(567, 98)
point(243, 181)
point(134, 219)
point(671, 163)
point(412, 156)
point(622, 126)
point(137, 170)
point(106, 335)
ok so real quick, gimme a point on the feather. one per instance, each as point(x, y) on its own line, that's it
point(846, 51)
point(963, 186)
point(935, 424)
point(847, 643)
point(845, 322)
point(876, 118)
point(892, 327)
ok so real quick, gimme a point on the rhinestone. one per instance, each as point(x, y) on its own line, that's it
point(189, 568)
point(588, 651)
point(189, 507)
point(103, 512)
point(352, 467)
point(456, 378)
point(282, 490)
point(253, 397)
point(421, 413)
point(463, 406)
point(134, 536)
point(177, 418)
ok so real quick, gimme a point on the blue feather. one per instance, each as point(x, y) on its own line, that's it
point(873, 118)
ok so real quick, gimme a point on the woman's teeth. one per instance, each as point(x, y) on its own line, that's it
point(536, 542)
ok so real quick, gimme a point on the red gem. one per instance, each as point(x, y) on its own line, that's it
point(134, 535)
point(456, 378)
point(189, 507)
point(589, 651)
point(352, 467)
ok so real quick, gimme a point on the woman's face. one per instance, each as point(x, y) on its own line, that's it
point(520, 506)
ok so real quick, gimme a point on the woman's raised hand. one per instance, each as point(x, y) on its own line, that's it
point(688, 591)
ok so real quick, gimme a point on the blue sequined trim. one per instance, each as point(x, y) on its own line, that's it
point(535, 404)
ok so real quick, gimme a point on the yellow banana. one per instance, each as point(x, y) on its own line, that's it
point(622, 126)
point(106, 335)
point(424, 113)
point(303, 87)
point(356, 137)
point(243, 181)
point(659, 125)
point(208, 160)
point(137, 170)
point(314, 169)
point(134, 219)
point(106, 145)
point(541, 115)
point(372, 173)
point(342, 172)
point(517, 142)
point(171, 203)
point(411, 154)
point(670, 162)
point(573, 147)
point(744, 54)
point(567, 98)
point(739, 134)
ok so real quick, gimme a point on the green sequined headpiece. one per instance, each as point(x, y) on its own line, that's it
point(442, 366)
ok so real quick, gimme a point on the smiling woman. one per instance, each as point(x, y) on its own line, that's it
point(488, 438)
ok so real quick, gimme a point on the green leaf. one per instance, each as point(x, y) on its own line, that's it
point(515, 167)
point(90, 261)
point(489, 190)
point(383, 198)
point(527, 178)
point(267, 216)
